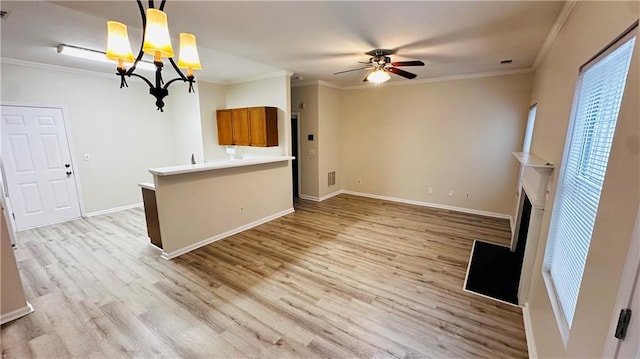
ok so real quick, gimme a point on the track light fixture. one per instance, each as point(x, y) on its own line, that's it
point(156, 42)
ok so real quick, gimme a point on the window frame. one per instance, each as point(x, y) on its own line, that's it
point(629, 34)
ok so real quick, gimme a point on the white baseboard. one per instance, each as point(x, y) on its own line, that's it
point(432, 205)
point(332, 194)
point(310, 198)
point(15, 314)
point(528, 330)
point(320, 199)
point(115, 209)
point(229, 233)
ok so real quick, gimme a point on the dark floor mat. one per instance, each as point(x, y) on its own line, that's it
point(494, 271)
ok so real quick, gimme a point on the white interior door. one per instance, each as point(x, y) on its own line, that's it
point(37, 165)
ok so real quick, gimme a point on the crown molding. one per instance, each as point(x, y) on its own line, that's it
point(561, 20)
point(415, 82)
point(265, 76)
point(76, 71)
point(444, 79)
point(316, 83)
point(276, 74)
point(41, 66)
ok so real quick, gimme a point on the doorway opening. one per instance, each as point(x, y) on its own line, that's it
point(295, 164)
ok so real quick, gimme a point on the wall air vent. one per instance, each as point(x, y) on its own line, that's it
point(331, 178)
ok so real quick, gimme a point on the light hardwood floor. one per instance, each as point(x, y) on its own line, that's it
point(347, 277)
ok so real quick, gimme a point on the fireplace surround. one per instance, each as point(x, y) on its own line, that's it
point(534, 183)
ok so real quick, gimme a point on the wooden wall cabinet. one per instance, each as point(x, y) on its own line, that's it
point(225, 127)
point(253, 126)
point(263, 126)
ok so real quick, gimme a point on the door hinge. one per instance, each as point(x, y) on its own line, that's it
point(623, 323)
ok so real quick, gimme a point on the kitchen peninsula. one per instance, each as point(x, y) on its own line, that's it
point(202, 203)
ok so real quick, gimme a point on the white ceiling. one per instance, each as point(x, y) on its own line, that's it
point(313, 39)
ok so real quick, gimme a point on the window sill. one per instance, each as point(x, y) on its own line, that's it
point(563, 326)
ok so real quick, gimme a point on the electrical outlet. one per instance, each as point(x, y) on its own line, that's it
point(467, 195)
point(241, 209)
point(450, 193)
point(430, 190)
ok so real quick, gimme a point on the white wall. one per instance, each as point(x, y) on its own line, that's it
point(184, 109)
point(119, 129)
point(308, 119)
point(329, 139)
point(451, 135)
point(273, 92)
point(212, 97)
point(199, 206)
point(590, 27)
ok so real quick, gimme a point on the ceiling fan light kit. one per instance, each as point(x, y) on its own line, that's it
point(156, 42)
point(378, 76)
point(381, 66)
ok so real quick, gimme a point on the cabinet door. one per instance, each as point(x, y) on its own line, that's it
point(257, 119)
point(225, 128)
point(264, 126)
point(240, 119)
point(272, 126)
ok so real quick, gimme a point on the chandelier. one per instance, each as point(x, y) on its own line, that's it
point(157, 43)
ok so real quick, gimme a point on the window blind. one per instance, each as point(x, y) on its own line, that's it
point(596, 105)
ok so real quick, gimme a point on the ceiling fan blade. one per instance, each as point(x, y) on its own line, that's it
point(402, 73)
point(341, 72)
point(407, 63)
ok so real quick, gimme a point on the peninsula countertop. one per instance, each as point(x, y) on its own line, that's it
point(216, 165)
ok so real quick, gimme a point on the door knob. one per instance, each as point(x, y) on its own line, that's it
point(68, 173)
point(67, 165)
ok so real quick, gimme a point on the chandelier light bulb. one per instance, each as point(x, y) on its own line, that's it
point(118, 47)
point(157, 41)
point(188, 53)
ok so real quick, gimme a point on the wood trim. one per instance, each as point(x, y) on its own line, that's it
point(431, 205)
point(309, 198)
point(16, 314)
point(226, 234)
point(114, 209)
point(528, 331)
point(320, 199)
point(410, 201)
point(561, 20)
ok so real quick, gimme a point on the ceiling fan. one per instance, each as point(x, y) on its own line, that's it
point(380, 65)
